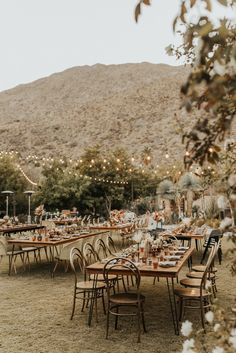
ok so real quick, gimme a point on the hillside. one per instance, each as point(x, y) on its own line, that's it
point(129, 105)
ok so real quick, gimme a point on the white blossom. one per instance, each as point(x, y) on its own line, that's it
point(138, 235)
point(186, 328)
point(232, 180)
point(232, 338)
point(233, 332)
point(219, 69)
point(208, 286)
point(216, 327)
point(209, 316)
point(218, 349)
point(188, 346)
point(225, 223)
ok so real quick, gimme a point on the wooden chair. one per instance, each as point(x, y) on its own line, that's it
point(215, 236)
point(64, 255)
point(117, 301)
point(91, 254)
point(12, 255)
point(88, 290)
point(194, 281)
point(194, 277)
point(200, 294)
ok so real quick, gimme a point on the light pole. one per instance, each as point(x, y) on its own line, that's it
point(7, 193)
point(29, 193)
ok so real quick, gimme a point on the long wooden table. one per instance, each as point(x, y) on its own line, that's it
point(170, 273)
point(189, 237)
point(21, 228)
point(114, 227)
point(51, 243)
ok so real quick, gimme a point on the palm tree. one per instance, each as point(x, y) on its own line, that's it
point(166, 190)
point(189, 184)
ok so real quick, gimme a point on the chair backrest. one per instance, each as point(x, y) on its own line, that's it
point(89, 253)
point(111, 245)
point(216, 234)
point(101, 248)
point(124, 265)
point(209, 265)
point(3, 246)
point(65, 251)
point(76, 257)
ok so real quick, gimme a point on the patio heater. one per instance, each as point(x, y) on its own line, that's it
point(7, 193)
point(29, 193)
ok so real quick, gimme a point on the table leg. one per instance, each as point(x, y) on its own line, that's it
point(173, 305)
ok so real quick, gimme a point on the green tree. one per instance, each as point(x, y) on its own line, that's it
point(12, 179)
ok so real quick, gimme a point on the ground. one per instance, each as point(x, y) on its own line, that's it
point(35, 314)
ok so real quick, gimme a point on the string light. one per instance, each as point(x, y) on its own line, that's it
point(37, 160)
point(26, 177)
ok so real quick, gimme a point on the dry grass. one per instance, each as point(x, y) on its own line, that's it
point(35, 315)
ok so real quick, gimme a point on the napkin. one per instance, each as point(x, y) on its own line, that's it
point(183, 247)
point(179, 252)
point(173, 257)
point(167, 263)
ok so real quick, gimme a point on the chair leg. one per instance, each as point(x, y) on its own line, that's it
point(54, 269)
point(84, 300)
point(73, 308)
point(96, 305)
point(103, 303)
point(108, 318)
point(143, 320)
point(139, 328)
point(220, 255)
point(46, 253)
point(180, 309)
point(66, 266)
point(39, 255)
point(116, 320)
point(202, 314)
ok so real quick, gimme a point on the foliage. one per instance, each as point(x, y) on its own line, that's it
point(209, 45)
point(221, 333)
point(11, 179)
point(95, 185)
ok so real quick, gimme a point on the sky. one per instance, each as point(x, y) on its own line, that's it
point(41, 37)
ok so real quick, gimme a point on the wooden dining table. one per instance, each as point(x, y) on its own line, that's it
point(21, 228)
point(169, 273)
point(51, 243)
point(112, 227)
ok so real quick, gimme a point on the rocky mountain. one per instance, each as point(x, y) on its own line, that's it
point(130, 105)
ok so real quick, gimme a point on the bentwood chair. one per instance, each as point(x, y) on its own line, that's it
point(92, 254)
point(193, 278)
point(64, 255)
point(120, 300)
point(88, 290)
point(215, 236)
point(12, 255)
point(189, 296)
